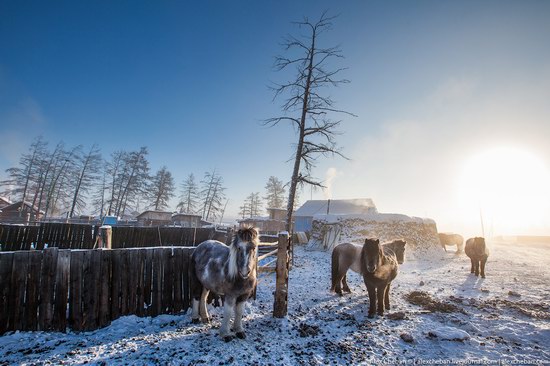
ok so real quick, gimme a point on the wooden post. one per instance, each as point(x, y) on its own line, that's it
point(105, 236)
point(280, 306)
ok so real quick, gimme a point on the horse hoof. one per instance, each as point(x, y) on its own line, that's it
point(195, 321)
point(241, 335)
point(205, 320)
point(371, 315)
point(228, 338)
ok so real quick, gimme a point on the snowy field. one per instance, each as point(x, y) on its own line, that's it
point(504, 319)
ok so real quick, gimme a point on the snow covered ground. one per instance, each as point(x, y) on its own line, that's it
point(504, 319)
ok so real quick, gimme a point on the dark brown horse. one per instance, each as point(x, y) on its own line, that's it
point(378, 270)
point(478, 252)
point(348, 256)
point(225, 270)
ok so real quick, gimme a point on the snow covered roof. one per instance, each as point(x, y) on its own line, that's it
point(336, 207)
point(373, 216)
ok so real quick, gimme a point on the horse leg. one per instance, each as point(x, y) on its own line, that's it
point(477, 267)
point(228, 311)
point(345, 283)
point(238, 323)
point(372, 300)
point(387, 297)
point(473, 265)
point(483, 261)
point(202, 309)
point(380, 292)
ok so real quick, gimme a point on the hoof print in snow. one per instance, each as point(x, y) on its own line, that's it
point(407, 337)
point(513, 293)
point(422, 283)
point(484, 290)
point(399, 315)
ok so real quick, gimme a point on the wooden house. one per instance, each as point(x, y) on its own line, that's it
point(20, 212)
point(154, 218)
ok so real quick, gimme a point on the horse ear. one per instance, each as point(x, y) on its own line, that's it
point(377, 241)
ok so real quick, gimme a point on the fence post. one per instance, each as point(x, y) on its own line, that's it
point(280, 306)
point(105, 232)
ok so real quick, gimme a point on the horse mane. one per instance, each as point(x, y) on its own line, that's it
point(246, 234)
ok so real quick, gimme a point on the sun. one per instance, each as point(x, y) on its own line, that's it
point(507, 188)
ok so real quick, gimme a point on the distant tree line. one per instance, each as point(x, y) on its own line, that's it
point(274, 197)
point(72, 181)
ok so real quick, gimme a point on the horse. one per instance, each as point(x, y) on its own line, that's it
point(478, 252)
point(228, 270)
point(378, 269)
point(450, 239)
point(348, 256)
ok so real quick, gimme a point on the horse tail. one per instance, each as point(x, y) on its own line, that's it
point(335, 268)
point(196, 285)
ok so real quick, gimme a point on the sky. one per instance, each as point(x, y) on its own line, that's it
point(447, 94)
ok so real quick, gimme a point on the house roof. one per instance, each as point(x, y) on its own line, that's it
point(185, 215)
point(337, 207)
point(4, 201)
point(15, 205)
point(166, 213)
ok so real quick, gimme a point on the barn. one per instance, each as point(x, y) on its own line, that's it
point(303, 217)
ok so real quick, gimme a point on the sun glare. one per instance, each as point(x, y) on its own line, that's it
point(508, 187)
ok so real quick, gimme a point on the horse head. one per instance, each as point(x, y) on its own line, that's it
point(242, 255)
point(399, 250)
point(371, 255)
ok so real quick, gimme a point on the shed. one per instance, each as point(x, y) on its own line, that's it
point(4, 202)
point(186, 220)
point(303, 216)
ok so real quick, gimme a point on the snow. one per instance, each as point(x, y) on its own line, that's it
point(485, 323)
point(373, 217)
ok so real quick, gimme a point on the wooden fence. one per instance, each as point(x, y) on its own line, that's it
point(78, 236)
point(37, 287)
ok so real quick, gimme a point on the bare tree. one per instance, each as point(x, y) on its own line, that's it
point(99, 200)
point(89, 166)
point(58, 182)
point(275, 193)
point(131, 179)
point(189, 197)
point(25, 178)
point(212, 195)
point(161, 189)
point(305, 106)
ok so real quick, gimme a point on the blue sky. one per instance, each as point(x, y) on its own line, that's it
point(432, 83)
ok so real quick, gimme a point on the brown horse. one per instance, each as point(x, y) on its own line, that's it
point(450, 239)
point(478, 252)
point(378, 270)
point(348, 256)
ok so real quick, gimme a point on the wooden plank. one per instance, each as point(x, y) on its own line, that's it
point(47, 286)
point(115, 283)
point(140, 274)
point(19, 273)
point(186, 257)
point(167, 281)
point(105, 289)
point(75, 290)
point(124, 285)
point(133, 271)
point(148, 280)
point(91, 319)
point(6, 264)
point(32, 292)
point(156, 295)
point(61, 290)
point(178, 279)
